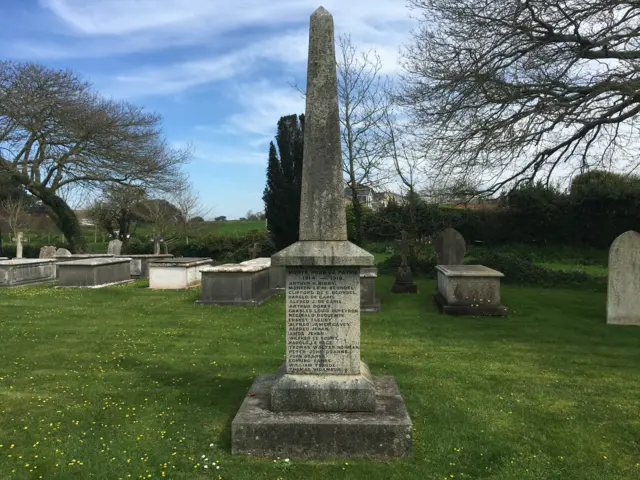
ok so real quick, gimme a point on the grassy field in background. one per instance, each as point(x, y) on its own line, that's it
point(125, 382)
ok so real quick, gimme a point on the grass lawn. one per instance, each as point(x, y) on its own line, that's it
point(594, 270)
point(130, 383)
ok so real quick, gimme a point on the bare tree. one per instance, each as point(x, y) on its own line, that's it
point(511, 91)
point(363, 104)
point(163, 217)
point(189, 205)
point(15, 212)
point(117, 208)
point(55, 131)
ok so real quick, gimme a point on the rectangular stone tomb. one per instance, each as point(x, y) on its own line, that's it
point(244, 284)
point(369, 303)
point(140, 263)
point(177, 273)
point(469, 290)
point(277, 274)
point(27, 271)
point(78, 256)
point(94, 272)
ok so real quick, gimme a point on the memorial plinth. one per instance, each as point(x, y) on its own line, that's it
point(177, 273)
point(323, 402)
point(94, 272)
point(469, 290)
point(26, 271)
point(243, 284)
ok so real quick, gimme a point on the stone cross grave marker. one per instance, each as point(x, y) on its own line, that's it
point(254, 251)
point(19, 237)
point(115, 247)
point(450, 247)
point(623, 292)
point(308, 408)
point(404, 277)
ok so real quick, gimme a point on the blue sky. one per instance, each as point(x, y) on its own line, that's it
point(218, 71)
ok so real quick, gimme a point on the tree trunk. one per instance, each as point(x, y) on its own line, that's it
point(64, 217)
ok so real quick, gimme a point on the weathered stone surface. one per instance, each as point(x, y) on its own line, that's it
point(322, 199)
point(385, 432)
point(26, 271)
point(140, 263)
point(177, 273)
point(623, 293)
point(324, 393)
point(450, 247)
point(469, 290)
point(94, 272)
point(277, 275)
point(63, 252)
point(369, 302)
point(322, 254)
point(323, 320)
point(48, 252)
point(115, 247)
point(245, 284)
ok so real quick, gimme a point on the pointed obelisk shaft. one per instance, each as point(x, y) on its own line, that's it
point(322, 214)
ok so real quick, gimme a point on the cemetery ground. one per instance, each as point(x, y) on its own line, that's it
point(125, 382)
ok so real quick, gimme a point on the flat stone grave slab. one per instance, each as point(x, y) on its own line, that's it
point(140, 263)
point(385, 432)
point(26, 271)
point(469, 290)
point(94, 272)
point(243, 284)
point(369, 303)
point(177, 273)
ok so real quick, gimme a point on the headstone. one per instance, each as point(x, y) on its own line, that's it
point(19, 245)
point(63, 252)
point(48, 252)
point(404, 277)
point(450, 247)
point(323, 401)
point(254, 252)
point(623, 293)
point(115, 247)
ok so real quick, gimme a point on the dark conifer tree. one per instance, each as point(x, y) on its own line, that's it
point(284, 181)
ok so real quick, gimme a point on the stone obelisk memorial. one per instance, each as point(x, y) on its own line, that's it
point(323, 402)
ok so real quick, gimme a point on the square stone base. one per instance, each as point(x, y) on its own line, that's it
point(323, 393)
point(404, 288)
point(471, 310)
point(383, 433)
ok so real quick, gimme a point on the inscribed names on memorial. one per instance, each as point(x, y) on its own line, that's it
point(323, 320)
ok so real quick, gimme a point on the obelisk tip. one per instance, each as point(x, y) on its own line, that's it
point(321, 11)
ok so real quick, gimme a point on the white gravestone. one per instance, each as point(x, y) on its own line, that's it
point(115, 247)
point(623, 293)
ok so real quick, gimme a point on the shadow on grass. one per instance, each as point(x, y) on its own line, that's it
point(219, 397)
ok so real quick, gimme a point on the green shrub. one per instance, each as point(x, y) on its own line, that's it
point(521, 271)
point(419, 265)
point(222, 248)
